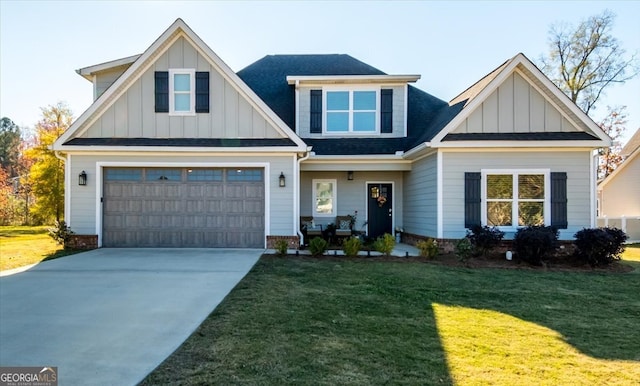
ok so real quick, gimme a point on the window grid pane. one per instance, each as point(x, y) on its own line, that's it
point(364, 100)
point(337, 122)
point(182, 82)
point(338, 100)
point(125, 174)
point(163, 175)
point(531, 213)
point(364, 122)
point(531, 186)
point(499, 214)
point(500, 186)
point(182, 102)
point(244, 175)
point(204, 175)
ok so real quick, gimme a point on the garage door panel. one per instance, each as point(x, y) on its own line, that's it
point(200, 209)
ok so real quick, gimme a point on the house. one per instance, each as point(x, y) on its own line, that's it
point(178, 150)
point(619, 192)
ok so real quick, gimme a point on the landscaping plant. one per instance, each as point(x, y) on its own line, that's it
point(318, 246)
point(463, 249)
point(61, 233)
point(351, 246)
point(599, 246)
point(484, 238)
point(281, 247)
point(534, 243)
point(428, 248)
point(385, 244)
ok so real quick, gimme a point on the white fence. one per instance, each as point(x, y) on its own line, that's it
point(630, 225)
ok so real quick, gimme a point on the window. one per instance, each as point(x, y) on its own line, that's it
point(123, 174)
point(199, 175)
point(516, 198)
point(163, 175)
point(324, 198)
point(244, 175)
point(351, 111)
point(182, 95)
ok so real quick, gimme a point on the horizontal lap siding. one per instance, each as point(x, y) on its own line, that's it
point(575, 164)
point(82, 218)
point(420, 198)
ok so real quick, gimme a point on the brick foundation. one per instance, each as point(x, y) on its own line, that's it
point(294, 241)
point(84, 242)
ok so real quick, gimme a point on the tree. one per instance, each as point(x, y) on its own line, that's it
point(46, 176)
point(10, 144)
point(584, 61)
point(614, 125)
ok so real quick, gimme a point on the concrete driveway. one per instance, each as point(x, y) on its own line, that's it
point(110, 316)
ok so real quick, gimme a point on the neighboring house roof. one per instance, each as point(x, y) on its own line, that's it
point(426, 114)
point(632, 145)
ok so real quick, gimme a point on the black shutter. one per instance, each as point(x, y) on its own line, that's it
point(202, 92)
point(386, 111)
point(559, 200)
point(162, 91)
point(472, 199)
point(316, 111)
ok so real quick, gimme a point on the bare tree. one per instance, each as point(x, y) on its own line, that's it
point(585, 60)
point(614, 125)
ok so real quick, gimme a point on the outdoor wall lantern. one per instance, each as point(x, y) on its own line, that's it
point(82, 178)
point(281, 181)
point(350, 175)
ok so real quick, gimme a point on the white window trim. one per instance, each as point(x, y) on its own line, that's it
point(350, 90)
point(514, 208)
point(192, 92)
point(334, 198)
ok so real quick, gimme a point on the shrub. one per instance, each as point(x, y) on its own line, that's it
point(484, 238)
point(463, 249)
point(385, 244)
point(428, 248)
point(281, 247)
point(599, 246)
point(317, 246)
point(61, 233)
point(351, 246)
point(534, 243)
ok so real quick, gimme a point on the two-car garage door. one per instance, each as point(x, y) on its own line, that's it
point(183, 207)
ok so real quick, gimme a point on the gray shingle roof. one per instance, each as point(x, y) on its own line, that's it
point(182, 142)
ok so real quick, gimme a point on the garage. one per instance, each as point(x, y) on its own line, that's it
point(183, 207)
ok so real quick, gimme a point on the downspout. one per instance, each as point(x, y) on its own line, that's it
point(297, 194)
point(67, 192)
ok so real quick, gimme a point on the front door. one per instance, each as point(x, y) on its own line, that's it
point(379, 203)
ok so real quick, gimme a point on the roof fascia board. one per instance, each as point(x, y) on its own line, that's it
point(522, 144)
point(624, 163)
point(350, 79)
point(173, 149)
point(88, 72)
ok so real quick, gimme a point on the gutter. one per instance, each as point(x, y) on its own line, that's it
point(296, 194)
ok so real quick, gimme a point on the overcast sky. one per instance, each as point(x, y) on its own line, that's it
point(451, 44)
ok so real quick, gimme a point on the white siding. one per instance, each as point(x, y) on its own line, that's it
point(304, 112)
point(133, 114)
point(106, 78)
point(621, 195)
point(515, 107)
point(574, 163)
point(82, 217)
point(421, 198)
point(352, 195)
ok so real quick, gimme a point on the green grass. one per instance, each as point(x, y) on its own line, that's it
point(325, 322)
point(24, 245)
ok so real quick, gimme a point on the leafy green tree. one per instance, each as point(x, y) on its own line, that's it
point(46, 176)
point(584, 60)
point(10, 145)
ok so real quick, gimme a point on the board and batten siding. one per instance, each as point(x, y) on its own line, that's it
point(421, 198)
point(304, 111)
point(352, 195)
point(621, 195)
point(515, 107)
point(82, 212)
point(133, 114)
point(575, 163)
point(104, 79)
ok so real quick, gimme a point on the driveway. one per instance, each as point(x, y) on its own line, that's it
point(110, 316)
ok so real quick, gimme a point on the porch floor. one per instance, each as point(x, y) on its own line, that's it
point(400, 250)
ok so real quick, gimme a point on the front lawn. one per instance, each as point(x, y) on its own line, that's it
point(25, 245)
point(332, 321)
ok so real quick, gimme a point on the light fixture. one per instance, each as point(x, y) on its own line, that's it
point(350, 175)
point(281, 180)
point(82, 178)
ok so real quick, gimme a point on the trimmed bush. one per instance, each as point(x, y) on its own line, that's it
point(463, 249)
point(351, 246)
point(385, 244)
point(428, 248)
point(61, 233)
point(534, 243)
point(599, 246)
point(281, 247)
point(484, 238)
point(318, 246)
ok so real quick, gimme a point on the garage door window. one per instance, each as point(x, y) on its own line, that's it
point(197, 175)
point(123, 174)
point(164, 175)
point(244, 175)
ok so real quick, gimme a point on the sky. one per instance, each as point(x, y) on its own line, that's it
point(451, 44)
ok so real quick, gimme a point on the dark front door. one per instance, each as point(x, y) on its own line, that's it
point(379, 198)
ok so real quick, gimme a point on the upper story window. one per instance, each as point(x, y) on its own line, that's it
point(351, 111)
point(181, 92)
